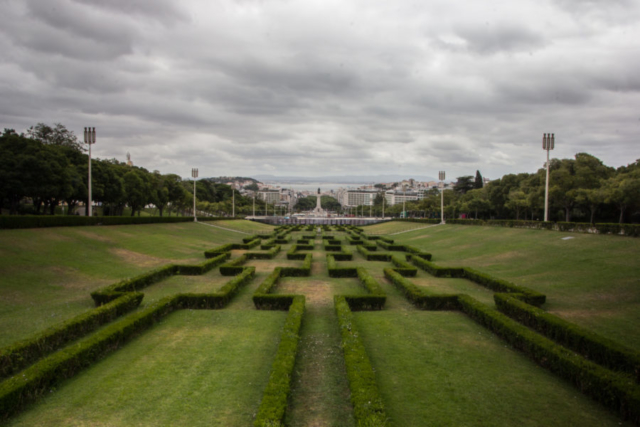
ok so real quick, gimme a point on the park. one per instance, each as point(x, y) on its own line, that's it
point(233, 323)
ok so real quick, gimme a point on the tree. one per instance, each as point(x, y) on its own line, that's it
point(517, 201)
point(464, 184)
point(136, 190)
point(479, 182)
point(252, 187)
point(623, 190)
point(56, 135)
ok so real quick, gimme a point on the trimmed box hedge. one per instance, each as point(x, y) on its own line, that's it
point(270, 254)
point(615, 391)
point(420, 297)
point(335, 271)
point(23, 353)
point(41, 221)
point(234, 267)
point(276, 394)
point(367, 403)
point(403, 267)
point(601, 350)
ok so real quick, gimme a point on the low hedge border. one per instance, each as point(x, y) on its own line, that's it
point(23, 353)
point(403, 267)
point(594, 347)
point(374, 301)
point(304, 271)
point(391, 246)
point(615, 391)
point(333, 248)
point(270, 254)
point(377, 256)
point(292, 253)
point(528, 295)
point(367, 403)
point(116, 290)
point(631, 230)
point(234, 267)
point(420, 297)
point(276, 394)
point(335, 271)
point(18, 391)
point(211, 253)
point(41, 221)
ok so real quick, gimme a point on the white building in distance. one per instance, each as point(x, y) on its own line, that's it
point(349, 198)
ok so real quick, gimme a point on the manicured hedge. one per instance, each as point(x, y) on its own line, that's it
point(40, 221)
point(211, 253)
point(528, 295)
point(234, 267)
point(304, 271)
point(594, 347)
point(42, 376)
point(367, 403)
point(374, 301)
point(292, 253)
point(373, 256)
point(525, 294)
point(615, 391)
point(435, 270)
point(303, 241)
point(112, 292)
point(270, 254)
point(420, 297)
point(391, 246)
point(23, 353)
point(219, 299)
point(335, 271)
point(403, 267)
point(199, 269)
point(276, 394)
point(413, 251)
point(333, 248)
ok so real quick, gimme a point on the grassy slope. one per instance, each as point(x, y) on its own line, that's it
point(46, 275)
point(591, 280)
point(207, 368)
point(442, 369)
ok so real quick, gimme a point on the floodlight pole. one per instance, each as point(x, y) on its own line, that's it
point(233, 201)
point(383, 199)
point(254, 205)
point(548, 143)
point(404, 201)
point(89, 138)
point(441, 175)
point(194, 175)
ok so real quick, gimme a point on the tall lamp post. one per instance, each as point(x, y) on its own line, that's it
point(383, 199)
point(404, 201)
point(233, 201)
point(548, 143)
point(254, 205)
point(441, 176)
point(89, 138)
point(194, 175)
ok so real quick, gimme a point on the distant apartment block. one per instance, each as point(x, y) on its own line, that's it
point(393, 197)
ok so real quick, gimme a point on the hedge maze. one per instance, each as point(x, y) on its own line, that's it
point(598, 367)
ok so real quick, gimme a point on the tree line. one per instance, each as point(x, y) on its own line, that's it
point(580, 189)
point(48, 166)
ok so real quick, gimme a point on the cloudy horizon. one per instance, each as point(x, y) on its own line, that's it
point(317, 88)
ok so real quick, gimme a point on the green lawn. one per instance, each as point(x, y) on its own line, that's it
point(591, 280)
point(442, 369)
point(210, 367)
point(195, 368)
point(47, 274)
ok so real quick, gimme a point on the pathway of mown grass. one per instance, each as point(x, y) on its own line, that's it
point(442, 369)
point(47, 274)
point(195, 368)
point(320, 391)
point(590, 280)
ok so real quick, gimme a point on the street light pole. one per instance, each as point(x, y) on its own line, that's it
point(89, 138)
point(233, 201)
point(548, 143)
point(441, 175)
point(194, 175)
point(383, 199)
point(404, 201)
point(254, 205)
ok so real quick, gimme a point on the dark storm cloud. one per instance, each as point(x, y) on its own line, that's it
point(331, 87)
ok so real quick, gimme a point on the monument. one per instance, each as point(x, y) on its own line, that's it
point(318, 211)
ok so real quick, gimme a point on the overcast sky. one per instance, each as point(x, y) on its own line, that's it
point(328, 87)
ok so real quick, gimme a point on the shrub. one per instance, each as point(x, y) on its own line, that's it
point(403, 267)
point(333, 248)
point(420, 297)
point(270, 254)
point(525, 294)
point(233, 267)
point(436, 271)
point(112, 292)
point(39, 221)
point(615, 391)
point(303, 271)
point(367, 404)
point(274, 399)
point(21, 354)
point(196, 270)
point(594, 347)
point(335, 271)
